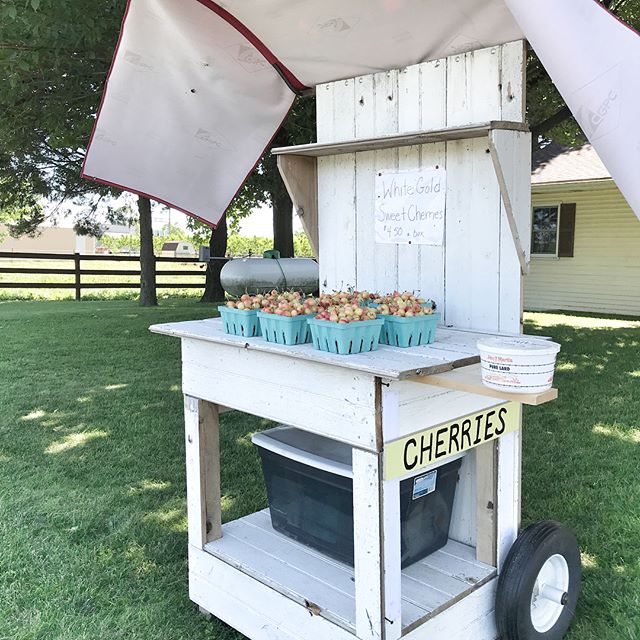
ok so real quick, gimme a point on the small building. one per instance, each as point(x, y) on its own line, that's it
point(178, 249)
point(585, 244)
point(47, 240)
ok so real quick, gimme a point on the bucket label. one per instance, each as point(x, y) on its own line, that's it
point(424, 485)
point(408, 455)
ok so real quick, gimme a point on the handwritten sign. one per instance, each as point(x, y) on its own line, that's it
point(410, 206)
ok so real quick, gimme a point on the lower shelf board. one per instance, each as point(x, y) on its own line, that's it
point(327, 587)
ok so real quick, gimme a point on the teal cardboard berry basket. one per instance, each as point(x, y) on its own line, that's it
point(283, 329)
point(409, 332)
point(345, 339)
point(240, 322)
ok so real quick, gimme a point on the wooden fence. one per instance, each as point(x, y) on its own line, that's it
point(78, 271)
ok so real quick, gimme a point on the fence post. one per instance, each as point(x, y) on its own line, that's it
point(76, 259)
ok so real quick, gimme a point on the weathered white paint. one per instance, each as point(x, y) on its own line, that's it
point(452, 349)
point(252, 607)
point(471, 617)
point(327, 587)
point(263, 587)
point(604, 274)
point(458, 91)
point(336, 403)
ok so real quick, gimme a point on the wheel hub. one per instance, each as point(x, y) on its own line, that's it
point(550, 595)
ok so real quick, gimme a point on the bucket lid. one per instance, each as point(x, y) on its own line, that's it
point(518, 346)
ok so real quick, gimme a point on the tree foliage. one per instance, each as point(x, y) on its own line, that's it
point(54, 58)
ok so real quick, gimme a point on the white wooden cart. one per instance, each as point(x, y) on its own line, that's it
point(464, 113)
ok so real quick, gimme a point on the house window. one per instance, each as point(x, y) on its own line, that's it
point(544, 230)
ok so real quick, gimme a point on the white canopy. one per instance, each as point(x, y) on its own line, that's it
point(197, 89)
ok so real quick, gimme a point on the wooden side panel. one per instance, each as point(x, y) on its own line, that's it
point(322, 398)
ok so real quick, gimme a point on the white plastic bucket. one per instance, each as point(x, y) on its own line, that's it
point(518, 365)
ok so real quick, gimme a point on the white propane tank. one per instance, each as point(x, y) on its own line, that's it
point(260, 275)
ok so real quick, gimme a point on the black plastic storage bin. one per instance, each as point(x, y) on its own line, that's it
point(310, 490)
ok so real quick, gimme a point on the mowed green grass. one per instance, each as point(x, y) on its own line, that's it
point(92, 505)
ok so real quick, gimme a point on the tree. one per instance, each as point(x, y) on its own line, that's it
point(548, 115)
point(265, 185)
point(54, 59)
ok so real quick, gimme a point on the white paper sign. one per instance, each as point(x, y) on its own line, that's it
point(410, 206)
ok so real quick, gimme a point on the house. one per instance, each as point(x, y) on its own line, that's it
point(178, 249)
point(585, 244)
point(47, 240)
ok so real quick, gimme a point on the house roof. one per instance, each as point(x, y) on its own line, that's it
point(559, 163)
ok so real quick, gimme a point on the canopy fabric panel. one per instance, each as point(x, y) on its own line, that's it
point(190, 105)
point(197, 89)
point(594, 60)
point(326, 40)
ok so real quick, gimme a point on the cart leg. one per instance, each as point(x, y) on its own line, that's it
point(509, 476)
point(202, 442)
point(486, 500)
point(376, 519)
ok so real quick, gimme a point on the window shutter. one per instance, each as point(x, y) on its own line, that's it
point(567, 230)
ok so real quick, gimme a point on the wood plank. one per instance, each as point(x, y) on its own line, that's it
point(512, 80)
point(251, 607)
point(320, 565)
point(304, 575)
point(337, 403)
point(469, 379)
point(369, 547)
point(446, 134)
point(409, 158)
point(300, 177)
point(509, 492)
point(452, 349)
point(472, 616)
point(203, 471)
point(209, 439)
point(275, 569)
point(385, 124)
point(503, 148)
point(486, 501)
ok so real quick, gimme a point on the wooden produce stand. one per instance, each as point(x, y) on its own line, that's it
point(465, 114)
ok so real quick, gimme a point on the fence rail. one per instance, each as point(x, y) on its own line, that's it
point(78, 272)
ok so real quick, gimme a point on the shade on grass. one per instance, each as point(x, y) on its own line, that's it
point(92, 508)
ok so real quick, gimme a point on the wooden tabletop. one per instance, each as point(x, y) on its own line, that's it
point(453, 348)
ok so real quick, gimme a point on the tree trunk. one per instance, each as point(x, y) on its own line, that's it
point(282, 222)
point(148, 296)
point(213, 291)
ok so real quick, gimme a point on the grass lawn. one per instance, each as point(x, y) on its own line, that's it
point(92, 507)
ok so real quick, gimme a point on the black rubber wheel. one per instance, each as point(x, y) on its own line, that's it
point(539, 584)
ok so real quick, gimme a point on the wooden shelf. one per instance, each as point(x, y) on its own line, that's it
point(480, 130)
point(327, 588)
point(469, 379)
